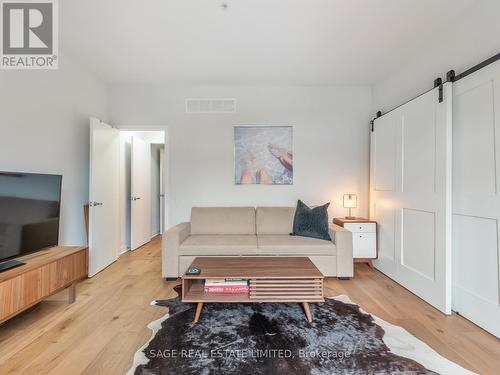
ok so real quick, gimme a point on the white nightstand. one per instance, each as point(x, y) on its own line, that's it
point(364, 238)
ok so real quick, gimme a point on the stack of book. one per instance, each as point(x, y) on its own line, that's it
point(226, 286)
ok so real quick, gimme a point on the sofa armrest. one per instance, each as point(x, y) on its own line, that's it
point(171, 241)
point(343, 240)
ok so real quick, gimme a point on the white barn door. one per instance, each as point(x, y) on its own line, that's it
point(410, 195)
point(476, 199)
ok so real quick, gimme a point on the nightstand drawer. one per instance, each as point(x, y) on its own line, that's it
point(364, 245)
point(361, 227)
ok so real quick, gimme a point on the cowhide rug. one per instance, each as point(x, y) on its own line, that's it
point(272, 338)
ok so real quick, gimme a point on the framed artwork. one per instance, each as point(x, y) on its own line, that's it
point(263, 155)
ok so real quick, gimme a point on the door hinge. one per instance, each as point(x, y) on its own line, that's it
point(438, 82)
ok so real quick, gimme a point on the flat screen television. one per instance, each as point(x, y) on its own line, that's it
point(30, 206)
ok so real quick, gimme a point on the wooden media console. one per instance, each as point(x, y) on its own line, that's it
point(43, 274)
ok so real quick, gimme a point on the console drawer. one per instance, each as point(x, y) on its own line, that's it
point(364, 245)
point(361, 227)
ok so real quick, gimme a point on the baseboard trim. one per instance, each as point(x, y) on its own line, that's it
point(123, 249)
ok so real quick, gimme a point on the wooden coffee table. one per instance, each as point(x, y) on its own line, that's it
point(271, 279)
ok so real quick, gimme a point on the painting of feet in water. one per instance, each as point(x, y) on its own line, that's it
point(263, 155)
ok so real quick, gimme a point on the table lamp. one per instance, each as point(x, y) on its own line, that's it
point(350, 202)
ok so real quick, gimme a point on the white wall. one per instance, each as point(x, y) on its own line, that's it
point(461, 44)
point(330, 134)
point(44, 127)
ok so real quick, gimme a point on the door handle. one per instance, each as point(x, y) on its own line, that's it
point(135, 198)
point(95, 204)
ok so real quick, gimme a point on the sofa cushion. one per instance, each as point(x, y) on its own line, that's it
point(287, 245)
point(223, 220)
point(274, 220)
point(219, 245)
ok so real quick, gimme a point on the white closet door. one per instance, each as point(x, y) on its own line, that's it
point(162, 191)
point(476, 199)
point(410, 195)
point(103, 196)
point(140, 193)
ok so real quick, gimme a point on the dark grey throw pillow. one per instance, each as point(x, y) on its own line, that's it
point(311, 222)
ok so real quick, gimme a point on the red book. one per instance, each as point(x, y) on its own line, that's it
point(226, 289)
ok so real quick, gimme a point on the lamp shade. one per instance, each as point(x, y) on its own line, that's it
point(350, 201)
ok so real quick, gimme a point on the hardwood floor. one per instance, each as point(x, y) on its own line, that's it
point(101, 331)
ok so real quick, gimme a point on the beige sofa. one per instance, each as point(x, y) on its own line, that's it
point(246, 231)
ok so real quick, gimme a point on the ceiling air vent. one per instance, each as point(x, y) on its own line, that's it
point(210, 105)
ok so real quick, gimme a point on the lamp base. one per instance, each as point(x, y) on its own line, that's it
point(350, 217)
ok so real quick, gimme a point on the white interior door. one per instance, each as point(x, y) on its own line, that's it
point(103, 196)
point(140, 193)
point(410, 195)
point(162, 191)
point(476, 199)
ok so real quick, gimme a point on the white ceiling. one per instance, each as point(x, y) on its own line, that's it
point(253, 41)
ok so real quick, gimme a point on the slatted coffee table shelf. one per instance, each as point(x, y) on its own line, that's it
point(271, 279)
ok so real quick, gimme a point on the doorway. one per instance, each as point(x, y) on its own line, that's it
point(141, 187)
point(127, 179)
